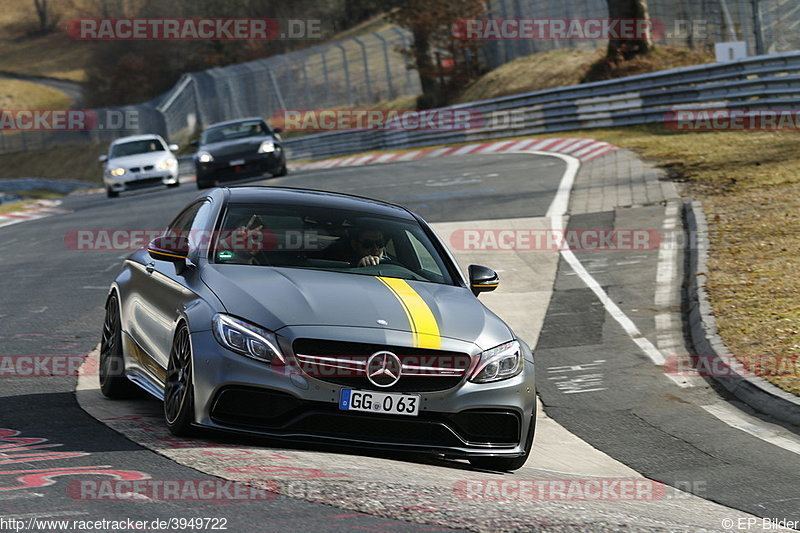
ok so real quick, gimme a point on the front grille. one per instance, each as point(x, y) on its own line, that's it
point(280, 413)
point(147, 182)
point(345, 363)
point(249, 169)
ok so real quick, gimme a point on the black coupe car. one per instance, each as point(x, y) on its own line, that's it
point(238, 149)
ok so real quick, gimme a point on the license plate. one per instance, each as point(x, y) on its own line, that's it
point(379, 402)
point(237, 162)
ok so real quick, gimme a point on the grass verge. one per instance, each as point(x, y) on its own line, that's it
point(71, 162)
point(18, 94)
point(749, 183)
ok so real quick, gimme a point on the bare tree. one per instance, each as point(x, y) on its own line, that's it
point(431, 25)
point(47, 20)
point(628, 48)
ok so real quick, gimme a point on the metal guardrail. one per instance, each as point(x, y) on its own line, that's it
point(762, 82)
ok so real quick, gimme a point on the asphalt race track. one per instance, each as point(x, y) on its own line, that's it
point(609, 411)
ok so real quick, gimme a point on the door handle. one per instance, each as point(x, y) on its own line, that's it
point(150, 267)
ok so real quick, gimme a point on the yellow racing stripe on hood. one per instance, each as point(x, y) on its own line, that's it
point(420, 317)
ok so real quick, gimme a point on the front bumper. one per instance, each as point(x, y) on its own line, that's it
point(235, 393)
point(222, 169)
point(141, 181)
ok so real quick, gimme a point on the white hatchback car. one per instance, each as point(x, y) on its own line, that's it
point(139, 161)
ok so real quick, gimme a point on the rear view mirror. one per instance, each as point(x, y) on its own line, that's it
point(482, 279)
point(174, 147)
point(170, 248)
point(103, 158)
point(194, 142)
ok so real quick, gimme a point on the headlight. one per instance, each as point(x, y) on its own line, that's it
point(266, 147)
point(246, 339)
point(205, 157)
point(117, 171)
point(167, 163)
point(503, 362)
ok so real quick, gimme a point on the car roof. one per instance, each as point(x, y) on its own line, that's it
point(313, 197)
point(226, 122)
point(146, 137)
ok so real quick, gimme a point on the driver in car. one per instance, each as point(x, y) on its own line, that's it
point(369, 248)
point(366, 246)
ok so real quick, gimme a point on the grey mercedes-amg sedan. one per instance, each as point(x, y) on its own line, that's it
point(312, 315)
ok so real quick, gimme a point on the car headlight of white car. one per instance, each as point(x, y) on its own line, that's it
point(119, 171)
point(205, 157)
point(266, 147)
point(246, 339)
point(501, 362)
point(167, 163)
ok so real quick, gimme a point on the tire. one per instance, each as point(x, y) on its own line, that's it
point(281, 171)
point(179, 388)
point(173, 185)
point(110, 193)
point(202, 185)
point(507, 464)
point(111, 371)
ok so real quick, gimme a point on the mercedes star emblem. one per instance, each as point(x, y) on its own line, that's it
point(383, 369)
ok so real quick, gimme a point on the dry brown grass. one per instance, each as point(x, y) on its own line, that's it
point(17, 94)
point(55, 55)
point(74, 162)
point(560, 68)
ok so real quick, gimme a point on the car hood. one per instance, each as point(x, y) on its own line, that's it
point(138, 160)
point(236, 146)
point(275, 298)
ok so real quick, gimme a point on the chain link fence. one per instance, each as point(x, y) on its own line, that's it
point(359, 71)
point(364, 70)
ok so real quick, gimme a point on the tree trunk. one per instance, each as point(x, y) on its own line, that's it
point(43, 13)
point(431, 92)
point(628, 48)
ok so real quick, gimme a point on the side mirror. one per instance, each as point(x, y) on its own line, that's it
point(482, 279)
point(103, 158)
point(277, 130)
point(194, 142)
point(170, 248)
point(174, 147)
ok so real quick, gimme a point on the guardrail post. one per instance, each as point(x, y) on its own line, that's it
point(404, 38)
point(325, 75)
point(366, 67)
point(385, 45)
point(346, 73)
point(306, 90)
point(758, 29)
point(276, 89)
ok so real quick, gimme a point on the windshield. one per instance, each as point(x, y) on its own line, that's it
point(137, 147)
point(239, 130)
point(336, 240)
